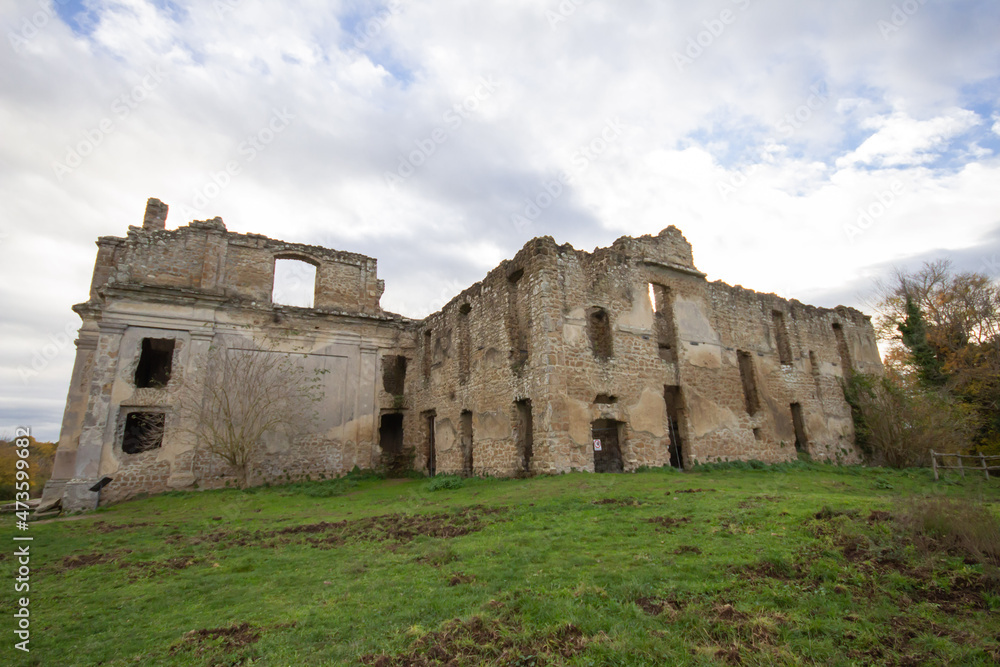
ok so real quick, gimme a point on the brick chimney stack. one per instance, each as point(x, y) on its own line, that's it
point(156, 214)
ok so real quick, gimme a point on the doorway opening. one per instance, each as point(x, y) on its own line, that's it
point(525, 436)
point(672, 397)
point(466, 443)
point(799, 422)
point(606, 434)
point(390, 439)
point(429, 418)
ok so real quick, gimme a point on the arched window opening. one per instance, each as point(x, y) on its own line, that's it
point(294, 283)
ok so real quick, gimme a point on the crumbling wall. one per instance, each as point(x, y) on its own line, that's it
point(628, 341)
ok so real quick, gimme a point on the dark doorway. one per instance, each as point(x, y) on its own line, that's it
point(466, 443)
point(390, 439)
point(801, 442)
point(429, 418)
point(143, 432)
point(672, 396)
point(155, 363)
point(525, 434)
point(607, 450)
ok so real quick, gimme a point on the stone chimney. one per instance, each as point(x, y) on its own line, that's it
point(156, 215)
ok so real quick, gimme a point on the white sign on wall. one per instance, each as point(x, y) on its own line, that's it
point(597, 445)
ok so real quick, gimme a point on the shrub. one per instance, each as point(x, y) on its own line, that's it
point(956, 526)
point(445, 482)
point(897, 426)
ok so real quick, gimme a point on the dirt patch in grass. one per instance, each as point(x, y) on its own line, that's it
point(657, 606)
point(629, 502)
point(479, 641)
point(77, 561)
point(234, 637)
point(826, 514)
point(878, 516)
point(695, 491)
point(105, 527)
point(766, 569)
point(668, 523)
point(398, 528)
point(737, 634)
point(152, 568)
point(687, 549)
point(896, 646)
point(458, 579)
point(228, 640)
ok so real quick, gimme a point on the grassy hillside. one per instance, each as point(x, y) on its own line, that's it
point(798, 565)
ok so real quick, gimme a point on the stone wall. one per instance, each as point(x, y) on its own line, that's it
point(511, 377)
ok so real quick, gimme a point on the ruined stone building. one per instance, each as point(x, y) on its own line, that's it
point(558, 360)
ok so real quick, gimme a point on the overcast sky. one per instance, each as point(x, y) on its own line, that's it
point(804, 147)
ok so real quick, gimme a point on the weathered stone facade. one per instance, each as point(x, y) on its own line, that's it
point(556, 353)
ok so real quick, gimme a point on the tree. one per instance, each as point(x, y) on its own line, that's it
point(921, 352)
point(247, 395)
point(943, 332)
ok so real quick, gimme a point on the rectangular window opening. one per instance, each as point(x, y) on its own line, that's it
point(156, 361)
point(599, 332)
point(143, 432)
point(661, 298)
point(294, 283)
point(843, 350)
point(748, 378)
point(394, 374)
point(428, 355)
point(517, 323)
point(781, 337)
point(464, 344)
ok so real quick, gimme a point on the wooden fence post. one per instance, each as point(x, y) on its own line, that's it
point(934, 464)
point(986, 470)
point(961, 468)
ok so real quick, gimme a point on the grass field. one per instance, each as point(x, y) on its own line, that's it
point(802, 564)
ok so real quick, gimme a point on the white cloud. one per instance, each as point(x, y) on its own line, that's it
point(904, 141)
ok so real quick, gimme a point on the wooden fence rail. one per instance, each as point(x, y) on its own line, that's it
point(981, 458)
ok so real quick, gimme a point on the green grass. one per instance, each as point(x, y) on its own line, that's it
point(566, 570)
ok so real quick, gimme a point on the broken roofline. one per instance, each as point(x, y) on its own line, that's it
point(680, 259)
